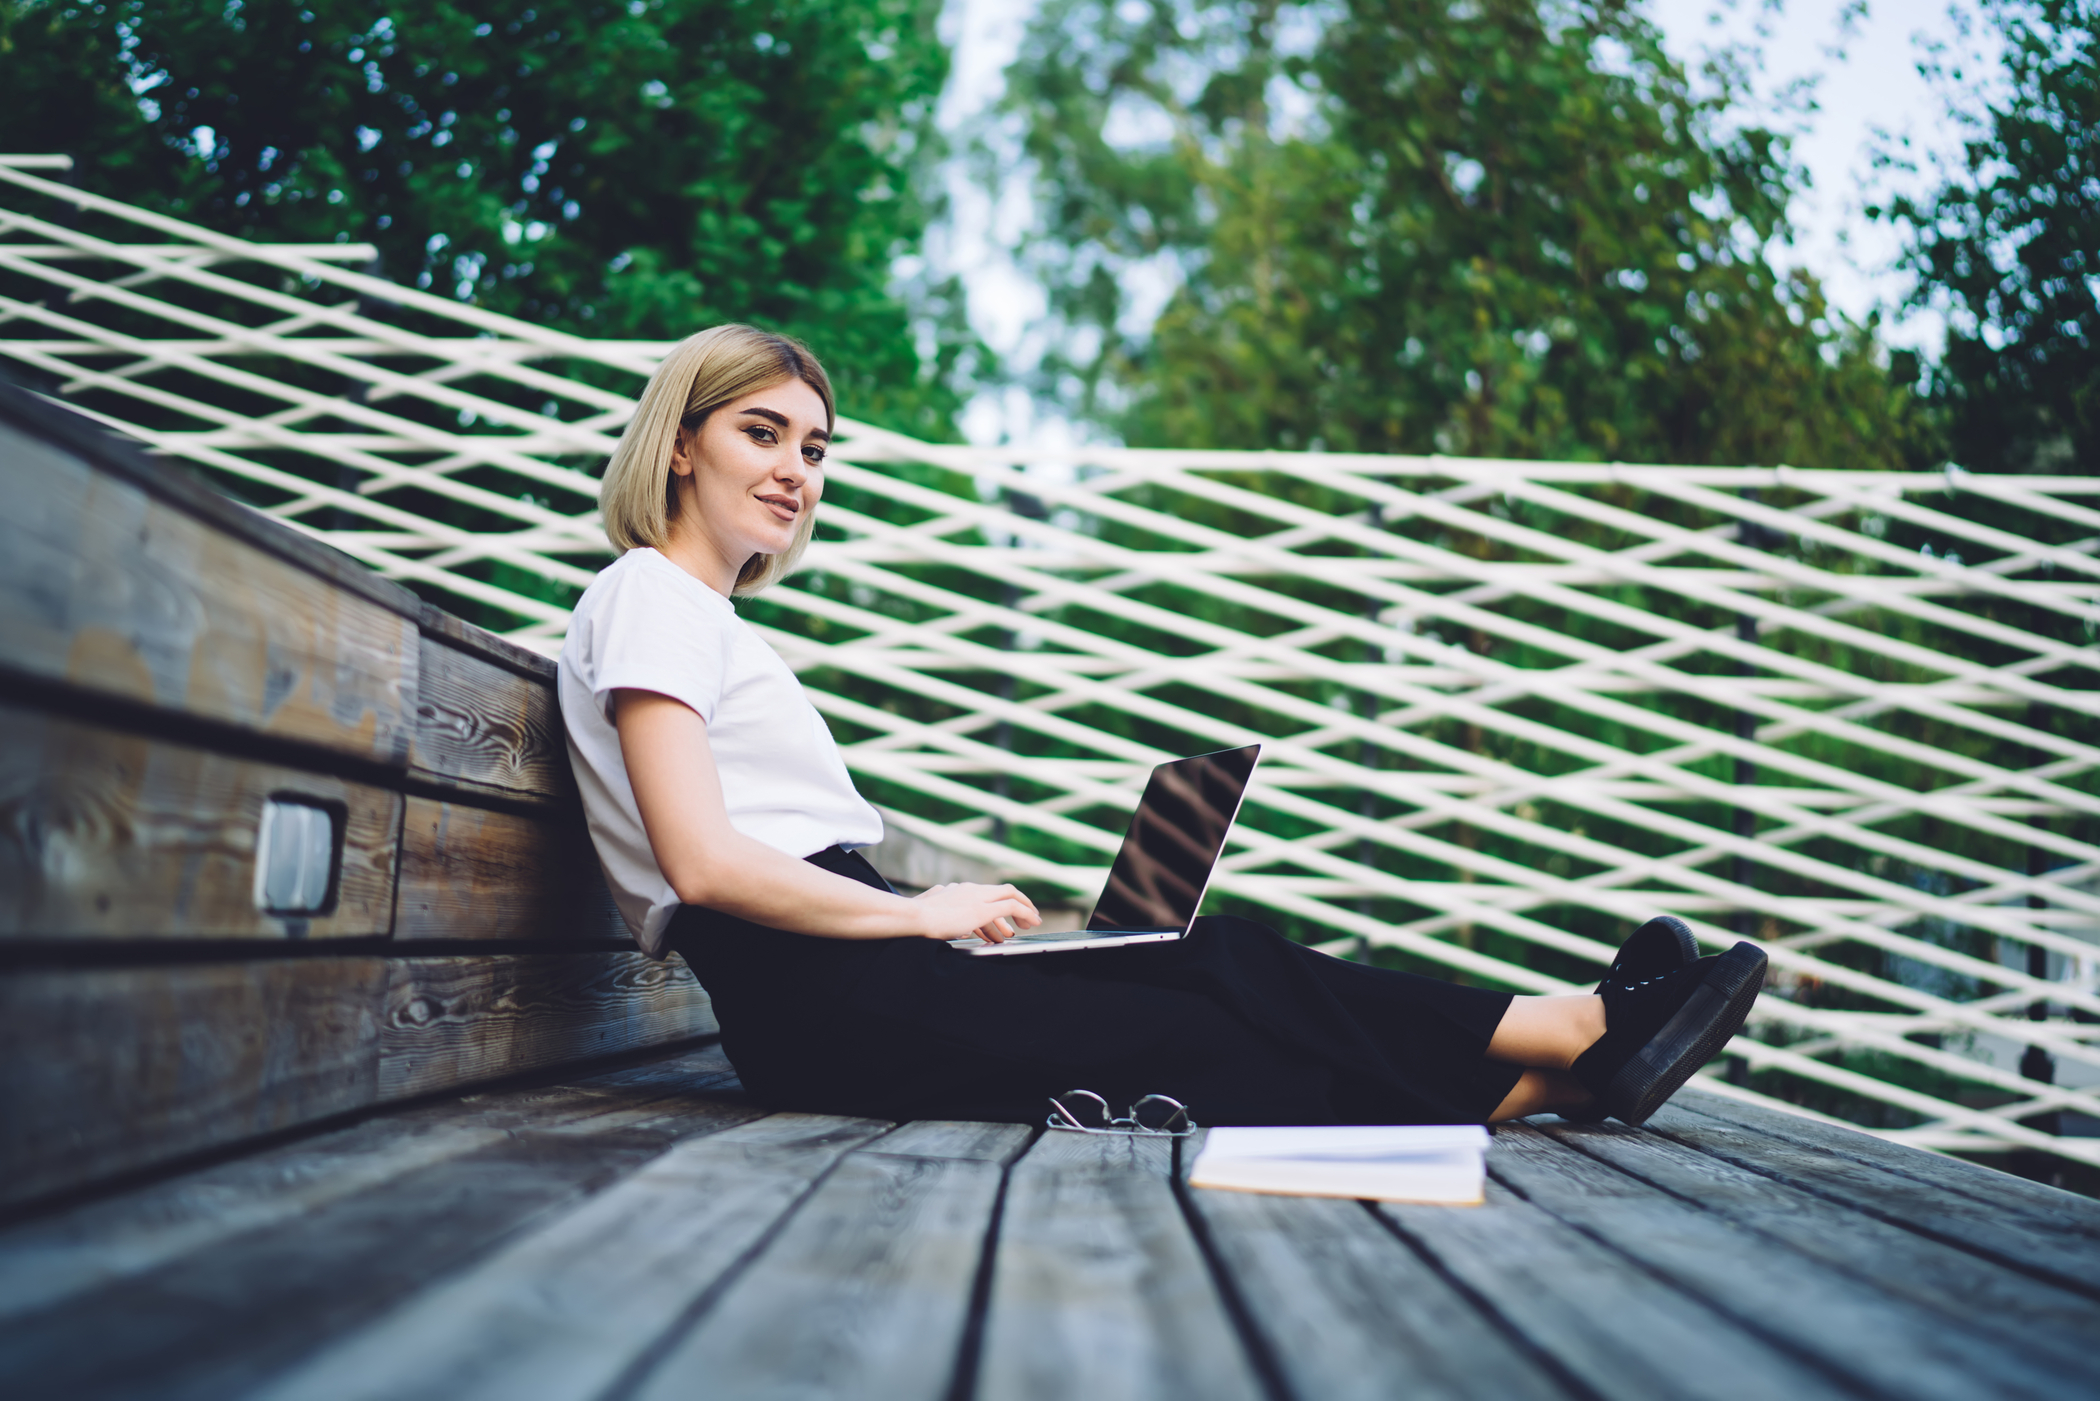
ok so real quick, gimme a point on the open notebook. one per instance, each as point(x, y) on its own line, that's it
point(1444, 1163)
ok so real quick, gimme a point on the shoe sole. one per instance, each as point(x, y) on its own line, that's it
point(1713, 1014)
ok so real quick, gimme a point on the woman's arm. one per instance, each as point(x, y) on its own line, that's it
point(708, 862)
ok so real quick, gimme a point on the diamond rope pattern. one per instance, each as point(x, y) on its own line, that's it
point(1510, 708)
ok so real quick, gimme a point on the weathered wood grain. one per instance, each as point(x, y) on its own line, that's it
point(967, 1141)
point(570, 1308)
point(49, 1259)
point(113, 1069)
point(483, 726)
point(108, 588)
point(2048, 1207)
point(866, 1290)
point(1851, 1328)
point(479, 641)
point(1974, 1294)
point(1099, 1289)
point(177, 484)
point(1348, 1311)
point(476, 873)
point(215, 1323)
point(1613, 1327)
point(2035, 1235)
point(108, 834)
point(451, 1021)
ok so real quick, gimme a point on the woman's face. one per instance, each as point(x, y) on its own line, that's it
point(752, 471)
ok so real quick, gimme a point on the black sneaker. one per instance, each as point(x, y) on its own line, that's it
point(1660, 1030)
point(1662, 945)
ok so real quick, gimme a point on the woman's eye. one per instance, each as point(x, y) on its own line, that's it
point(813, 454)
point(760, 434)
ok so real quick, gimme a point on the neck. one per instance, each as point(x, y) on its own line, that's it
point(692, 551)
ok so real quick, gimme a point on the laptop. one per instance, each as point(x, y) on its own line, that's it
point(1157, 883)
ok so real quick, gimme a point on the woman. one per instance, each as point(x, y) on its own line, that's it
point(728, 828)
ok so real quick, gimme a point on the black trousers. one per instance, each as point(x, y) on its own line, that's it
point(1236, 1021)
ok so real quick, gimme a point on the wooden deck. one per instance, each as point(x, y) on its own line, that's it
point(646, 1233)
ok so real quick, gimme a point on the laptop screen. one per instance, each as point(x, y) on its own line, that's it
point(1174, 840)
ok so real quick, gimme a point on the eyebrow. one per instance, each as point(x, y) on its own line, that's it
point(780, 418)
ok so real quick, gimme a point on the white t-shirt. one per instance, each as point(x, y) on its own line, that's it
point(644, 624)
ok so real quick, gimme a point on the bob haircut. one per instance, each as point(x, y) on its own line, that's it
point(639, 496)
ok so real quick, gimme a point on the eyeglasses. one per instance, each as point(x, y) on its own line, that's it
point(1154, 1116)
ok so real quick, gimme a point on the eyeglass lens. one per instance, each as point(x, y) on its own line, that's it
point(1083, 1109)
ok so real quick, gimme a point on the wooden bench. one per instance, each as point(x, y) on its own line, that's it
point(330, 1075)
point(172, 667)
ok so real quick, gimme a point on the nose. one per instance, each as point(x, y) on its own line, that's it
point(793, 473)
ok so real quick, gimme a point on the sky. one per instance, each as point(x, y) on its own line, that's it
point(1862, 59)
point(1838, 75)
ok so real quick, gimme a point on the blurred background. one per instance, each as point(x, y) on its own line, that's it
point(1518, 228)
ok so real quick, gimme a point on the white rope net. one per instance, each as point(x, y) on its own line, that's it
point(1511, 709)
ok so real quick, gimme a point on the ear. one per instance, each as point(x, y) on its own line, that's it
point(683, 444)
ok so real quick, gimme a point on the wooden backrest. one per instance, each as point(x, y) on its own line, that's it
point(178, 674)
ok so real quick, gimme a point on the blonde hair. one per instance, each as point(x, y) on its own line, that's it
point(639, 497)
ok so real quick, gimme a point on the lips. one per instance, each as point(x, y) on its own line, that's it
point(785, 507)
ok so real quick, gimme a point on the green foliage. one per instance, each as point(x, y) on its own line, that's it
point(2010, 245)
point(1497, 228)
point(620, 169)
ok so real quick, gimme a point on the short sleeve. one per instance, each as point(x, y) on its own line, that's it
point(646, 634)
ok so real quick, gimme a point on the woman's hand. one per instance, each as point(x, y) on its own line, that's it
point(993, 913)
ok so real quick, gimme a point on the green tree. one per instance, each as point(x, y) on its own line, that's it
point(1500, 228)
point(2009, 245)
point(623, 168)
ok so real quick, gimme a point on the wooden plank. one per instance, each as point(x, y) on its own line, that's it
point(112, 834)
point(1612, 1327)
point(219, 1322)
point(451, 1021)
point(117, 592)
point(866, 1290)
point(2049, 1208)
point(48, 1259)
point(1348, 1311)
point(1974, 1294)
point(114, 1069)
point(486, 727)
point(480, 642)
point(683, 1069)
point(967, 1141)
point(475, 873)
point(2034, 1237)
point(179, 485)
point(1854, 1330)
point(570, 1309)
point(1099, 1289)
